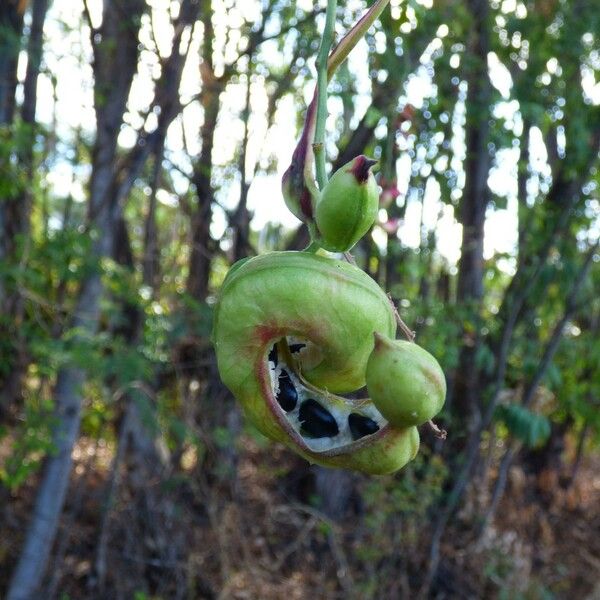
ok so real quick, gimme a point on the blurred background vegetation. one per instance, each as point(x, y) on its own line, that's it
point(141, 149)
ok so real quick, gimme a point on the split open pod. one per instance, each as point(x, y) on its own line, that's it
point(293, 332)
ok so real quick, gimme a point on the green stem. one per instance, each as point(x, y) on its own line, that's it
point(322, 56)
point(313, 247)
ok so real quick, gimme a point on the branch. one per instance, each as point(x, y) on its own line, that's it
point(251, 48)
point(88, 18)
point(571, 305)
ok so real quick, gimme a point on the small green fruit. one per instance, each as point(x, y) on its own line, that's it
point(348, 205)
point(405, 382)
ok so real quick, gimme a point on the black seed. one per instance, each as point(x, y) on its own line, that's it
point(287, 396)
point(296, 347)
point(361, 426)
point(316, 420)
point(273, 355)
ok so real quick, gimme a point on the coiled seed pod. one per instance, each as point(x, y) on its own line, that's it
point(333, 308)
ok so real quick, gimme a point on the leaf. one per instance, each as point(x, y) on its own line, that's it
point(532, 429)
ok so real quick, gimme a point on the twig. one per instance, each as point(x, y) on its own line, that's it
point(76, 498)
point(406, 330)
point(349, 258)
point(440, 434)
point(250, 49)
point(113, 483)
point(343, 571)
point(295, 545)
point(578, 453)
point(571, 305)
point(499, 487)
point(114, 479)
point(88, 18)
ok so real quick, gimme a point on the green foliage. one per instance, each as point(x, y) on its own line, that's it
point(29, 443)
point(12, 175)
point(532, 429)
point(407, 496)
point(396, 511)
point(502, 572)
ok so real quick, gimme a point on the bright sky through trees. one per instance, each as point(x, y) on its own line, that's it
point(67, 57)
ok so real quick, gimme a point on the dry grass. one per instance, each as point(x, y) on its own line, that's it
point(252, 534)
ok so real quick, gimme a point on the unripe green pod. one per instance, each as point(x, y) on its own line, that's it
point(347, 206)
point(334, 307)
point(405, 382)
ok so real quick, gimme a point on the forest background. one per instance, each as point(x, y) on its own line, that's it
point(142, 145)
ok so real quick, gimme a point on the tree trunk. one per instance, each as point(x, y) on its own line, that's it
point(476, 195)
point(17, 210)
point(241, 219)
point(115, 65)
point(151, 258)
point(11, 26)
point(202, 246)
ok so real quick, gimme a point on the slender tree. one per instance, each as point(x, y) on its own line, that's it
point(115, 63)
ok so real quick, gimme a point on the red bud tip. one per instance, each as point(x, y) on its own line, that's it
point(361, 167)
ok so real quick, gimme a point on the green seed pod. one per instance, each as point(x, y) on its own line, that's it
point(291, 330)
point(348, 205)
point(405, 382)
